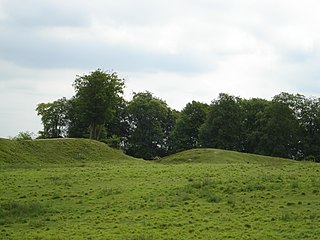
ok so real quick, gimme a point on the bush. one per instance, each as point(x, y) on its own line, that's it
point(24, 136)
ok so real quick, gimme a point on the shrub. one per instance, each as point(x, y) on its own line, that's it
point(24, 136)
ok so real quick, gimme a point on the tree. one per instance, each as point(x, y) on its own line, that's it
point(148, 134)
point(77, 127)
point(54, 118)
point(97, 96)
point(117, 128)
point(311, 127)
point(307, 113)
point(280, 132)
point(296, 102)
point(252, 113)
point(186, 132)
point(222, 128)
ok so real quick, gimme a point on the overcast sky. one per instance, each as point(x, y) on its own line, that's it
point(178, 49)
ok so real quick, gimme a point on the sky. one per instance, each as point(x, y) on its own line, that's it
point(180, 50)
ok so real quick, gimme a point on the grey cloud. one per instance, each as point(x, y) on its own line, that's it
point(50, 13)
point(24, 43)
point(34, 14)
point(36, 51)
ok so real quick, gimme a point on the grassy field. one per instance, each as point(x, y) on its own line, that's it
point(80, 189)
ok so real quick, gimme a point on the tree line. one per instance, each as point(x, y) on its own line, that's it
point(146, 127)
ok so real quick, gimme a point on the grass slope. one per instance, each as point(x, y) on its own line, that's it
point(57, 151)
point(215, 195)
point(217, 156)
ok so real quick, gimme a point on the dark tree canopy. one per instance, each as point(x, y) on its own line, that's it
point(307, 113)
point(252, 112)
point(148, 124)
point(186, 132)
point(222, 128)
point(279, 132)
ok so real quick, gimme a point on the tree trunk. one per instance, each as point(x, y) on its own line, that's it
point(92, 131)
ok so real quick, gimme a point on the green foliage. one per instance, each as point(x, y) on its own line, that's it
point(307, 113)
point(149, 126)
point(24, 136)
point(77, 127)
point(280, 131)
point(253, 111)
point(98, 110)
point(98, 95)
point(186, 132)
point(222, 128)
point(114, 141)
point(54, 118)
point(288, 126)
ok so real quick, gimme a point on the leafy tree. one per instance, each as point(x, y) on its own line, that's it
point(97, 96)
point(168, 127)
point(222, 128)
point(296, 102)
point(186, 132)
point(117, 128)
point(307, 112)
point(280, 132)
point(252, 112)
point(77, 127)
point(53, 117)
point(148, 135)
point(311, 127)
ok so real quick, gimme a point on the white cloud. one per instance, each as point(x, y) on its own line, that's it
point(179, 50)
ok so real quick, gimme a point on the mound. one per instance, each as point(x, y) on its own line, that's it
point(57, 151)
point(208, 155)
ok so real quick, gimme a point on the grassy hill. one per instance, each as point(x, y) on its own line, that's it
point(218, 156)
point(57, 151)
point(197, 194)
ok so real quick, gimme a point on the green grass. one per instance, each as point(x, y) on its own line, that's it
point(56, 151)
point(215, 195)
point(208, 155)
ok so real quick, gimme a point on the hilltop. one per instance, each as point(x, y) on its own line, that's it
point(218, 156)
point(72, 150)
point(57, 151)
